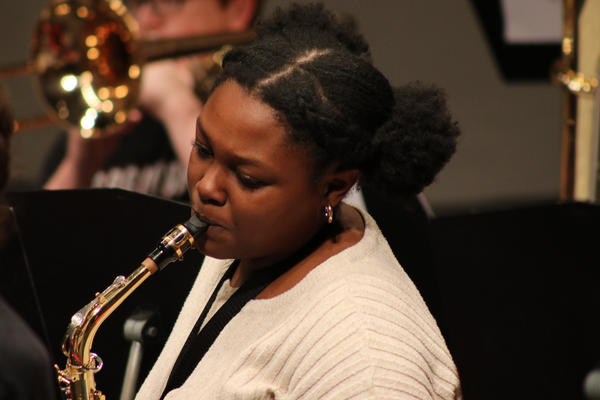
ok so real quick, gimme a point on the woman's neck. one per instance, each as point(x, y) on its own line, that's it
point(348, 230)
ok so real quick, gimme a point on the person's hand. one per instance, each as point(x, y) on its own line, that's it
point(83, 158)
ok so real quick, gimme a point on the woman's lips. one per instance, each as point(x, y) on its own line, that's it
point(207, 220)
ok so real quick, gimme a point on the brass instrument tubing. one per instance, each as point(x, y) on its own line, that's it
point(168, 48)
point(33, 123)
point(79, 374)
point(134, 280)
point(570, 27)
point(15, 71)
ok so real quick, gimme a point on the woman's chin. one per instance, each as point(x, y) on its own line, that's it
point(215, 249)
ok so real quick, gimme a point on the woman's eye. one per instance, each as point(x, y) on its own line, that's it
point(202, 150)
point(250, 183)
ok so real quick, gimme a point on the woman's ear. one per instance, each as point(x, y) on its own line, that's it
point(339, 183)
point(240, 14)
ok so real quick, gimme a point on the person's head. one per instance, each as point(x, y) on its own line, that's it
point(292, 122)
point(182, 18)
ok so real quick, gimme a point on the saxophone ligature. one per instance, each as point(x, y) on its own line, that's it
point(77, 379)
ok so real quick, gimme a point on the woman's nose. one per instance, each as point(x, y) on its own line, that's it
point(211, 188)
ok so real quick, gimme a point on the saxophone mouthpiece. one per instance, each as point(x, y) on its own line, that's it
point(179, 240)
point(196, 226)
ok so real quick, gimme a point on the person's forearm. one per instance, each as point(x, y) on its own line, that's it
point(180, 123)
point(69, 176)
point(168, 94)
point(84, 157)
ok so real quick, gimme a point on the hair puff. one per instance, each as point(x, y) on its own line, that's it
point(410, 149)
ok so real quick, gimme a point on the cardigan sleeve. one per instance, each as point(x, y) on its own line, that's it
point(378, 345)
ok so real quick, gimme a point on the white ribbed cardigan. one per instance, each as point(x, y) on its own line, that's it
point(354, 327)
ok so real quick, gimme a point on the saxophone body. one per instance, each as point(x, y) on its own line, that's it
point(76, 380)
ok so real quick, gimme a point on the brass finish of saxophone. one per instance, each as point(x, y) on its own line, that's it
point(77, 379)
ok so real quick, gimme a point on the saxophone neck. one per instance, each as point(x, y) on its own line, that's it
point(77, 379)
point(85, 323)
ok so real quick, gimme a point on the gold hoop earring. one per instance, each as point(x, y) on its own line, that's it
point(329, 213)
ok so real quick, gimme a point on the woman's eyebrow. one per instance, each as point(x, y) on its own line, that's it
point(238, 158)
point(201, 129)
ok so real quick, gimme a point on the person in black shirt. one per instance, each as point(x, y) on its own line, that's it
point(151, 154)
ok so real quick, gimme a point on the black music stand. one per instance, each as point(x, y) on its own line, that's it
point(70, 244)
point(521, 296)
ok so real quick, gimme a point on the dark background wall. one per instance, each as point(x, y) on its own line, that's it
point(509, 152)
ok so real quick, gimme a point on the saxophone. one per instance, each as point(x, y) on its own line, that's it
point(76, 381)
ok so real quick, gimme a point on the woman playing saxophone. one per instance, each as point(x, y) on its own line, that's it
point(300, 296)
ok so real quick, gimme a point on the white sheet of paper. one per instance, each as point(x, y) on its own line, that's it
point(532, 21)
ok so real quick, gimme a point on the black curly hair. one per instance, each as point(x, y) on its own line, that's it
point(316, 73)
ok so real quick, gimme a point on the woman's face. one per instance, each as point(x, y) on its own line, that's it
point(181, 18)
point(256, 192)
